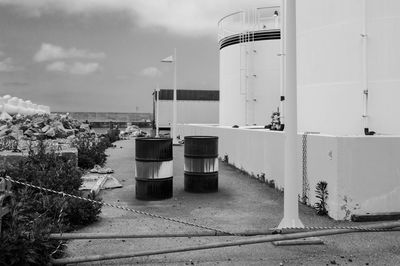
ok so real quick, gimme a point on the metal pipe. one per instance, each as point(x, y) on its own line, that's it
point(174, 105)
point(282, 67)
point(70, 236)
point(157, 111)
point(255, 240)
point(364, 82)
point(66, 236)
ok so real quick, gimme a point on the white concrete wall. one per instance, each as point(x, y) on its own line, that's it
point(243, 148)
point(201, 112)
point(330, 65)
point(362, 172)
point(262, 89)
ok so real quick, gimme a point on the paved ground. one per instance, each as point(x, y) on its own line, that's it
point(242, 203)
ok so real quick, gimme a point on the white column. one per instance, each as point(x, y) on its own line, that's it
point(292, 181)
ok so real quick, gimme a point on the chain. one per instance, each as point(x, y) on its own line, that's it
point(315, 228)
point(306, 186)
point(309, 228)
point(121, 207)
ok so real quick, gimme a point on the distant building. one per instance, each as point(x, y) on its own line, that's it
point(193, 107)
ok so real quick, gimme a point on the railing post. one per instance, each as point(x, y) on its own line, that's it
point(5, 194)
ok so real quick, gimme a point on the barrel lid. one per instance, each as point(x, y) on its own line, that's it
point(152, 139)
point(201, 137)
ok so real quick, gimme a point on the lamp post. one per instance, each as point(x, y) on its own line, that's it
point(172, 59)
point(157, 111)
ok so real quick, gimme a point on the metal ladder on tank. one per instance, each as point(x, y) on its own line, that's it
point(247, 54)
point(252, 76)
point(244, 75)
point(246, 42)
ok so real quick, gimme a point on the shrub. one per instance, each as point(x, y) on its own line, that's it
point(37, 213)
point(91, 150)
point(321, 194)
point(79, 213)
point(24, 240)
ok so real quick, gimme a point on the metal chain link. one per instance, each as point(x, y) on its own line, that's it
point(306, 186)
point(315, 228)
point(308, 228)
point(122, 208)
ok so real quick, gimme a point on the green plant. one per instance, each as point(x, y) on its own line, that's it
point(79, 213)
point(322, 195)
point(91, 150)
point(37, 213)
point(25, 240)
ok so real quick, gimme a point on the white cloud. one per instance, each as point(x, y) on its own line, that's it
point(150, 72)
point(188, 17)
point(49, 52)
point(77, 68)
point(57, 66)
point(7, 65)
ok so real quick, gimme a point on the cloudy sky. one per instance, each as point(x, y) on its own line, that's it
point(104, 55)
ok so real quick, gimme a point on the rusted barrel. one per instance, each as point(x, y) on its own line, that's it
point(201, 164)
point(154, 168)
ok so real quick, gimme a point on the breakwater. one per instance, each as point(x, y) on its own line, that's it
point(103, 119)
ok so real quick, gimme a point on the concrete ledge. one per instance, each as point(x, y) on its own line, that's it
point(8, 158)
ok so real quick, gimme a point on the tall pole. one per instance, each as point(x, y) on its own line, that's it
point(174, 107)
point(157, 111)
point(291, 208)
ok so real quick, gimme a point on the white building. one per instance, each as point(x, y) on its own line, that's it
point(348, 74)
point(193, 107)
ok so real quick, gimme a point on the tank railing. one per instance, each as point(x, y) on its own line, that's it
point(231, 24)
point(264, 18)
point(268, 18)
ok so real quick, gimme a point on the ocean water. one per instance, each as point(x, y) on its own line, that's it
point(110, 116)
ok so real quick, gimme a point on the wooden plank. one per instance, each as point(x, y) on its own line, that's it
point(99, 184)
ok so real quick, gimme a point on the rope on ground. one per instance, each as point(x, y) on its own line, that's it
point(122, 208)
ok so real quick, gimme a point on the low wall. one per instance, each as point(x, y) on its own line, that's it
point(362, 172)
point(9, 159)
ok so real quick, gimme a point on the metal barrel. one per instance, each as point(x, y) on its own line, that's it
point(153, 168)
point(201, 164)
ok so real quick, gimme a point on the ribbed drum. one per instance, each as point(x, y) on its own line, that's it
point(154, 168)
point(201, 164)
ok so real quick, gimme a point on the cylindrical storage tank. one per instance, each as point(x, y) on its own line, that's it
point(201, 164)
point(154, 168)
point(249, 69)
point(348, 62)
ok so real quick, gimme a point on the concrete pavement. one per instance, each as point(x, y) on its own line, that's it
point(242, 203)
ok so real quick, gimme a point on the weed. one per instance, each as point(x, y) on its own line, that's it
point(322, 195)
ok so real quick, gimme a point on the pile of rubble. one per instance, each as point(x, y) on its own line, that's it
point(23, 129)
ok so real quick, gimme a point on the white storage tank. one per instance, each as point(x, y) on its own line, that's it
point(348, 66)
point(249, 66)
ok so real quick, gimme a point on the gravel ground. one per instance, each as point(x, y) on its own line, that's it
point(242, 203)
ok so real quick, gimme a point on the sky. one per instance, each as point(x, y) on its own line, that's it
point(104, 55)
